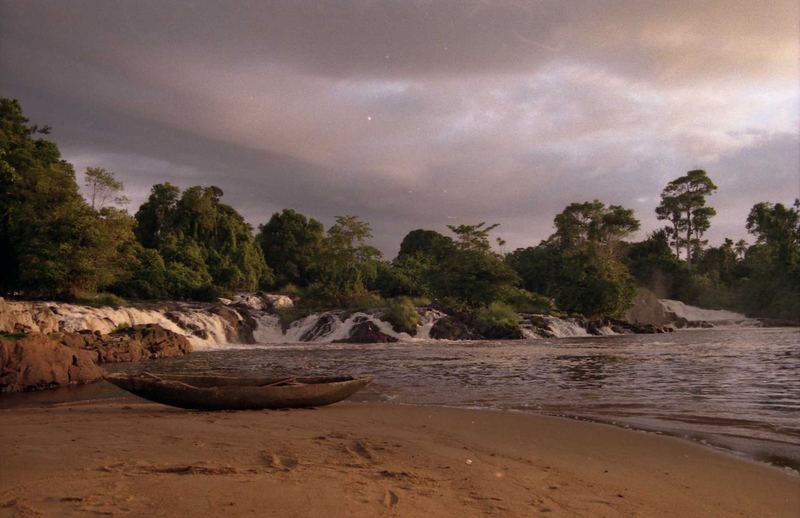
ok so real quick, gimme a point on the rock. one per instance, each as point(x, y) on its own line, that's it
point(323, 326)
point(450, 328)
point(248, 301)
point(239, 328)
point(142, 342)
point(26, 317)
point(366, 332)
point(37, 362)
point(275, 301)
point(224, 301)
point(503, 333)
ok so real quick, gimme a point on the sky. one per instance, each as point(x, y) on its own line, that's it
point(419, 114)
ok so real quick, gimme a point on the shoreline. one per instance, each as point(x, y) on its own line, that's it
point(366, 459)
point(100, 392)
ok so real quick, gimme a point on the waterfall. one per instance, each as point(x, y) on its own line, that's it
point(203, 328)
point(331, 326)
point(693, 314)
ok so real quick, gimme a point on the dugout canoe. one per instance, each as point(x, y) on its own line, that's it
point(237, 393)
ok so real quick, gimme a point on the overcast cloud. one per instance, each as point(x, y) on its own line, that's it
point(419, 114)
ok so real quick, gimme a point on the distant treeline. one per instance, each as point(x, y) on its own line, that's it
point(56, 243)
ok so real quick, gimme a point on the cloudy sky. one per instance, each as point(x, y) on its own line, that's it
point(420, 113)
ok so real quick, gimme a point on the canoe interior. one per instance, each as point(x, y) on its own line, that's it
point(203, 381)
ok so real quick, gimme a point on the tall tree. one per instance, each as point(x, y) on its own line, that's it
point(103, 186)
point(683, 204)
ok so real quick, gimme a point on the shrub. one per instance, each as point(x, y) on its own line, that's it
point(524, 301)
point(101, 299)
point(497, 314)
point(402, 314)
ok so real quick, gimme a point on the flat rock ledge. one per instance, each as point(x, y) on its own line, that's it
point(38, 361)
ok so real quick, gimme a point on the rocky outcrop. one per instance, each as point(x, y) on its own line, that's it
point(240, 326)
point(366, 332)
point(37, 362)
point(451, 328)
point(135, 343)
point(274, 301)
point(26, 317)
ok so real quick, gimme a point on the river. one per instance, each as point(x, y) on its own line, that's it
point(734, 388)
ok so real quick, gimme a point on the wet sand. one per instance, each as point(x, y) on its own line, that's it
point(128, 456)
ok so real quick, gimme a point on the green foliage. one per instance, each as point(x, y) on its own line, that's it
point(496, 314)
point(473, 237)
point(402, 314)
point(593, 284)
point(12, 336)
point(593, 222)
point(289, 242)
point(52, 244)
point(524, 301)
point(425, 243)
point(344, 264)
point(683, 204)
point(101, 300)
point(103, 186)
point(206, 246)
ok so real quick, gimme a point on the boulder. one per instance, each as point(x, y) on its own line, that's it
point(37, 362)
point(366, 332)
point(503, 333)
point(450, 328)
point(248, 301)
point(275, 301)
point(142, 342)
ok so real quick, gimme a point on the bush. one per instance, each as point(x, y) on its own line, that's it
point(402, 314)
point(524, 301)
point(101, 299)
point(497, 314)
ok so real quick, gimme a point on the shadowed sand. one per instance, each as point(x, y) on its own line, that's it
point(133, 457)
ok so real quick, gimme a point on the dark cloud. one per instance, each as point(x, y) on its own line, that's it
point(419, 114)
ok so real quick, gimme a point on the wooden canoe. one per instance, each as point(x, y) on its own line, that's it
point(233, 393)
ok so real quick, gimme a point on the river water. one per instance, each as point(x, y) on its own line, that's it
point(735, 388)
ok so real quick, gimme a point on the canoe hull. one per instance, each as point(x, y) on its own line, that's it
point(230, 394)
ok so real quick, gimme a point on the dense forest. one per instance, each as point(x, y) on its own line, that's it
point(56, 242)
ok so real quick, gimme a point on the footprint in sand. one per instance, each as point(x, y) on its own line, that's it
point(390, 498)
point(360, 449)
point(278, 462)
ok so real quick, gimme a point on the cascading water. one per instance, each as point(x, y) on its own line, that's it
point(204, 329)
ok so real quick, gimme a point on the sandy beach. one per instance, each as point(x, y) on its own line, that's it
point(128, 456)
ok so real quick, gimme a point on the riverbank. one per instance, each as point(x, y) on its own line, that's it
point(355, 459)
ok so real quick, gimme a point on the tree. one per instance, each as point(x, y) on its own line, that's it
point(103, 186)
point(52, 244)
point(470, 275)
point(427, 243)
point(683, 204)
point(778, 227)
point(289, 241)
point(206, 245)
point(473, 237)
point(593, 222)
point(154, 217)
point(345, 264)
